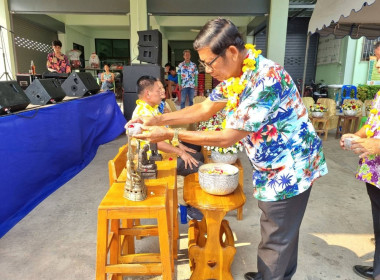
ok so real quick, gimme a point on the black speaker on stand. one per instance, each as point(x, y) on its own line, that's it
point(12, 97)
point(150, 46)
point(131, 74)
point(79, 84)
point(44, 91)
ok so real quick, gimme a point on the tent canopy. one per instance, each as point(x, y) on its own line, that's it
point(355, 18)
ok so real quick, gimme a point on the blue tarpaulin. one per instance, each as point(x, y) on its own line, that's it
point(42, 149)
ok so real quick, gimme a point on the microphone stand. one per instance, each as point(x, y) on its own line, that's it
point(6, 73)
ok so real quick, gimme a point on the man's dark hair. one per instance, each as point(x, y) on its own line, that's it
point(377, 45)
point(168, 64)
point(171, 68)
point(218, 34)
point(144, 82)
point(57, 43)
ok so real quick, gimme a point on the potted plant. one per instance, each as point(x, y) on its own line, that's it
point(218, 154)
point(317, 110)
point(351, 108)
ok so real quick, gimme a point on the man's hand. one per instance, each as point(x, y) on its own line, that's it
point(189, 160)
point(155, 134)
point(146, 120)
point(186, 149)
point(366, 146)
point(344, 136)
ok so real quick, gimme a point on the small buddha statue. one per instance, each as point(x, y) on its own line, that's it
point(147, 168)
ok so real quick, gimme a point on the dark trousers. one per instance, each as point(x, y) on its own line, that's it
point(280, 223)
point(181, 170)
point(374, 196)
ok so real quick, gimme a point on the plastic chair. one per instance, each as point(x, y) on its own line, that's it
point(346, 92)
point(177, 92)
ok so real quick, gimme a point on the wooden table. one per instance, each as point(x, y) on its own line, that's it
point(213, 259)
point(348, 124)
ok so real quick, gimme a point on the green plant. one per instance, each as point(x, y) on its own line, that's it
point(367, 92)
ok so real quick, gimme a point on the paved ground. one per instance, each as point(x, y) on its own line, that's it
point(57, 240)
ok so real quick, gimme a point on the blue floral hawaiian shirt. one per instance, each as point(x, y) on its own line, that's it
point(283, 148)
point(188, 71)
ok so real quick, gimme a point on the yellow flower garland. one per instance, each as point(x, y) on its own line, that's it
point(371, 121)
point(236, 85)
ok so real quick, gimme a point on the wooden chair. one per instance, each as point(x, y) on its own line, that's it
point(331, 111)
point(171, 105)
point(117, 165)
point(199, 99)
point(308, 101)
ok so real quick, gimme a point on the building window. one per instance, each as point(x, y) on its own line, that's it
point(367, 49)
point(113, 51)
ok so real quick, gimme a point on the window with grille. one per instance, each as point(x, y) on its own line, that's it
point(367, 49)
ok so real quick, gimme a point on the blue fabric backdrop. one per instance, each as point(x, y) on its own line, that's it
point(42, 149)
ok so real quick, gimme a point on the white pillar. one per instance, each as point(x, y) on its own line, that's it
point(138, 21)
point(249, 39)
point(276, 35)
point(7, 47)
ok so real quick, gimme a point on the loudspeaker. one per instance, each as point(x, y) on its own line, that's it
point(44, 91)
point(133, 72)
point(150, 46)
point(129, 104)
point(12, 97)
point(79, 84)
point(150, 54)
point(150, 38)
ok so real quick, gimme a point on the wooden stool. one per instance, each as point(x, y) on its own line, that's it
point(122, 259)
point(348, 124)
point(321, 125)
point(207, 159)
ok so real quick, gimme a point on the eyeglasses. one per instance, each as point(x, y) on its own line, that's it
point(205, 64)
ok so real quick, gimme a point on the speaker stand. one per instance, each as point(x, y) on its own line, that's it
point(6, 74)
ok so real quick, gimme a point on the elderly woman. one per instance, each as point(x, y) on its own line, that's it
point(265, 110)
point(366, 143)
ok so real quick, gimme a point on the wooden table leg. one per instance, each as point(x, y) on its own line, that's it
point(165, 244)
point(101, 247)
point(213, 261)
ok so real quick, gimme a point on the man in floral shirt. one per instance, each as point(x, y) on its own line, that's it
point(366, 143)
point(265, 111)
point(187, 78)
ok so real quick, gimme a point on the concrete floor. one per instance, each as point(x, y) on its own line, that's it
point(57, 240)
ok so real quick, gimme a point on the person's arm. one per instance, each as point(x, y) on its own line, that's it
point(112, 77)
point(191, 114)
point(68, 67)
point(49, 66)
point(102, 77)
point(187, 158)
point(224, 138)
